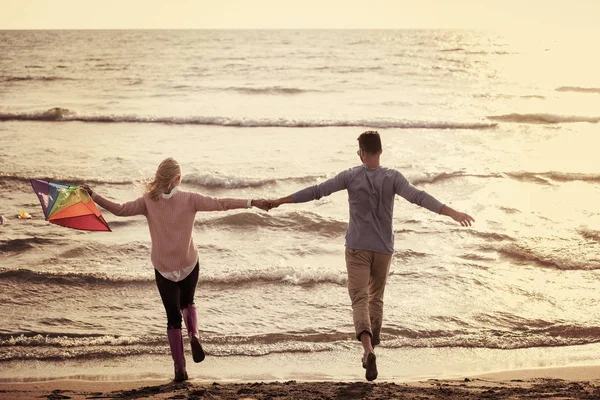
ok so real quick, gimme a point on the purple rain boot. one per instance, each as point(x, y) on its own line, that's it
point(176, 345)
point(191, 323)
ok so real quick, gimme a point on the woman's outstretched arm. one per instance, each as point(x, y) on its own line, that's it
point(135, 207)
point(207, 203)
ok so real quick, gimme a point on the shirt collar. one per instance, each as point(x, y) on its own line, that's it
point(171, 193)
point(365, 166)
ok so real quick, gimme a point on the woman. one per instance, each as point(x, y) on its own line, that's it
point(170, 213)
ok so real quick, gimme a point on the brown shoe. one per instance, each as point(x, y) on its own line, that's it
point(371, 373)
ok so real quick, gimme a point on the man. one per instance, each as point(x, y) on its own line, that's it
point(370, 236)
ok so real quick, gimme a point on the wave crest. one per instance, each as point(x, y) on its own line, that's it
point(270, 90)
point(556, 335)
point(547, 177)
point(590, 234)
point(544, 178)
point(53, 346)
point(67, 179)
point(21, 245)
point(217, 181)
point(522, 254)
point(66, 279)
point(543, 118)
point(302, 221)
point(35, 78)
point(284, 275)
point(444, 176)
point(64, 115)
point(578, 89)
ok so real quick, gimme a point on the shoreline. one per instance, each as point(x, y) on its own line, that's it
point(576, 382)
point(394, 364)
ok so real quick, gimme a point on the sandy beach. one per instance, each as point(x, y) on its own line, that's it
point(562, 383)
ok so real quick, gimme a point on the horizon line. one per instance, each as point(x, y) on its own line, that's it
point(237, 29)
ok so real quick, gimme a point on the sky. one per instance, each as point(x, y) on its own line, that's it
point(519, 15)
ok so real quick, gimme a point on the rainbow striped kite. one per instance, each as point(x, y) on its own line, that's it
point(68, 206)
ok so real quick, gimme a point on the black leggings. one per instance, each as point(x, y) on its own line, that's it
point(176, 295)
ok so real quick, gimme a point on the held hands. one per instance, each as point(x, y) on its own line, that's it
point(261, 203)
point(274, 203)
point(266, 205)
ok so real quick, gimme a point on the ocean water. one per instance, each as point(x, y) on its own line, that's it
point(503, 128)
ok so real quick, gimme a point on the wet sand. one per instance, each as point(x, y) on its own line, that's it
point(562, 383)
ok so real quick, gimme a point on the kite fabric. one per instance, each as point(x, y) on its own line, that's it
point(68, 206)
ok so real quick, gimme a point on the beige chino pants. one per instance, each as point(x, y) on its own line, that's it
point(367, 276)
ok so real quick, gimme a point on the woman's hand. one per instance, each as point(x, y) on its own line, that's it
point(87, 189)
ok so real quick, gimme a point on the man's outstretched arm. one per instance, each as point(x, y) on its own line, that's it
point(337, 183)
point(412, 194)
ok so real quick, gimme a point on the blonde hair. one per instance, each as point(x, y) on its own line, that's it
point(165, 179)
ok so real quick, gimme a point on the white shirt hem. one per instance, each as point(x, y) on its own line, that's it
point(179, 275)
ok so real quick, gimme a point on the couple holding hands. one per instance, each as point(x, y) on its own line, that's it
point(371, 188)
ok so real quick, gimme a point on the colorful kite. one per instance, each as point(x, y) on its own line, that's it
point(68, 206)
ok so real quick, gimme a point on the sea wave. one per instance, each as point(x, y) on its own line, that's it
point(543, 118)
point(235, 182)
point(509, 339)
point(270, 90)
point(51, 339)
point(48, 346)
point(35, 78)
point(299, 221)
point(56, 348)
point(66, 340)
point(129, 250)
point(235, 279)
point(488, 236)
point(578, 89)
point(21, 245)
point(590, 234)
point(227, 182)
point(23, 181)
point(444, 176)
point(498, 53)
point(218, 181)
point(546, 177)
point(532, 96)
point(65, 115)
point(525, 255)
point(210, 181)
point(66, 279)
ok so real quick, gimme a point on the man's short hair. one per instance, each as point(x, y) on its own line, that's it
point(370, 142)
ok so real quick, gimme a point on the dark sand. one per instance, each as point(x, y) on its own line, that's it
point(468, 388)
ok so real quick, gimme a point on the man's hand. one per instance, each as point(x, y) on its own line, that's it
point(460, 217)
point(261, 203)
point(274, 203)
point(463, 218)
